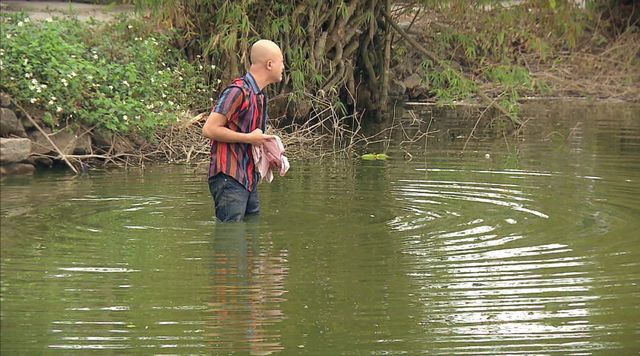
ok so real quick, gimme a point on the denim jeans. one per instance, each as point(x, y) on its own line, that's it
point(231, 199)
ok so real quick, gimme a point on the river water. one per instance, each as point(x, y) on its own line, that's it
point(523, 244)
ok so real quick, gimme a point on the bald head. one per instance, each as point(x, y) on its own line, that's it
point(267, 62)
point(264, 50)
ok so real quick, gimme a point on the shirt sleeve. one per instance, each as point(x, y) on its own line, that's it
point(229, 102)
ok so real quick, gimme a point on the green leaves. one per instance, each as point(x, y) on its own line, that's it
point(375, 157)
point(121, 76)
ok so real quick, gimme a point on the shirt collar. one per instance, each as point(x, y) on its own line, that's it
point(252, 83)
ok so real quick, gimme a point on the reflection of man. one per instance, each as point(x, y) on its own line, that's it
point(247, 289)
point(237, 121)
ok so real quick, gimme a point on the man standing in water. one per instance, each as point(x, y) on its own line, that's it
point(236, 122)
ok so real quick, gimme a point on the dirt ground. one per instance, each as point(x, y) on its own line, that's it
point(41, 10)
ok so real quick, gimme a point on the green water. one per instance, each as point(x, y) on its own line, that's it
point(524, 244)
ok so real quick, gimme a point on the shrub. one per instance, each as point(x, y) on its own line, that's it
point(120, 76)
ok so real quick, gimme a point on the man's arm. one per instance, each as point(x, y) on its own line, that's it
point(215, 128)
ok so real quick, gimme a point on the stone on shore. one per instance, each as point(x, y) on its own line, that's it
point(14, 149)
point(10, 124)
point(64, 140)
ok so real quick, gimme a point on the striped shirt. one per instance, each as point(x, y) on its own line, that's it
point(244, 106)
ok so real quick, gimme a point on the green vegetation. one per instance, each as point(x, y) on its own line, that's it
point(120, 76)
point(138, 74)
point(526, 49)
point(332, 48)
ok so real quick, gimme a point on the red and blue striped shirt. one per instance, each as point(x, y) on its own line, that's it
point(245, 107)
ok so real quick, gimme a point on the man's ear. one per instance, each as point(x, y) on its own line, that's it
point(269, 64)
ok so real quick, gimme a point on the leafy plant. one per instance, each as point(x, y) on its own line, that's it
point(119, 76)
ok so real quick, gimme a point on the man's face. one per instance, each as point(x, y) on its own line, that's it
point(277, 66)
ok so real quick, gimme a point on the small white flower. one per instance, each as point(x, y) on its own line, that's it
point(200, 67)
point(38, 90)
point(50, 102)
point(49, 19)
point(219, 81)
point(111, 87)
point(54, 98)
point(26, 20)
point(129, 27)
point(210, 99)
point(95, 56)
point(64, 82)
point(20, 24)
point(43, 86)
point(125, 83)
point(125, 118)
point(213, 66)
point(8, 35)
point(34, 81)
point(164, 95)
point(58, 109)
point(153, 80)
point(73, 56)
point(33, 100)
point(27, 75)
point(1, 52)
point(180, 78)
point(170, 103)
point(90, 77)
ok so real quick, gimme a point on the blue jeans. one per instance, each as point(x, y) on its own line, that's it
point(231, 199)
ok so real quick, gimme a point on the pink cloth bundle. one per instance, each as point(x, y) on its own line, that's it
point(270, 154)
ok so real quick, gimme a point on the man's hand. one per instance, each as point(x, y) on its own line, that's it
point(256, 137)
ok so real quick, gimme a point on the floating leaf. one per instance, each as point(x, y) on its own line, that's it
point(374, 156)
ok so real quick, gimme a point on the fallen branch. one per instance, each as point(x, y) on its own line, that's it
point(62, 155)
point(437, 60)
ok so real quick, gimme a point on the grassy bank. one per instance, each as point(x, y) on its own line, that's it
point(119, 76)
point(149, 76)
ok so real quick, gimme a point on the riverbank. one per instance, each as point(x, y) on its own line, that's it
point(70, 118)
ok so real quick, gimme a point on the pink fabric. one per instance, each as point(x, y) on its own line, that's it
point(270, 154)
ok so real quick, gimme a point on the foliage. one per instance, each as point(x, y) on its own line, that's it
point(329, 46)
point(489, 40)
point(118, 76)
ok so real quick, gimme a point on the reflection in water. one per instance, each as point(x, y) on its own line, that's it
point(485, 287)
point(247, 290)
